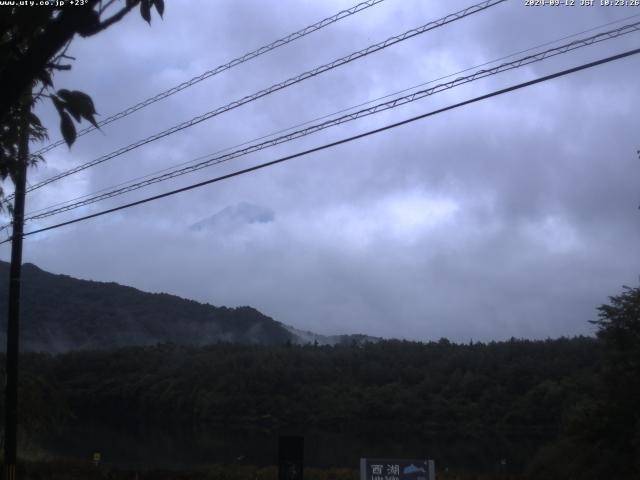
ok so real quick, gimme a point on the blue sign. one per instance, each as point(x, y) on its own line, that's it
point(396, 469)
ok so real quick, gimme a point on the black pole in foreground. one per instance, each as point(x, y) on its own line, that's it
point(13, 318)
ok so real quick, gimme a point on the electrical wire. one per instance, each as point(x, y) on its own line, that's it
point(368, 102)
point(279, 86)
point(221, 68)
point(340, 142)
point(403, 100)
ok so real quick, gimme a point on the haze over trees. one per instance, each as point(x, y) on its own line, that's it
point(62, 313)
point(552, 409)
point(465, 405)
point(155, 380)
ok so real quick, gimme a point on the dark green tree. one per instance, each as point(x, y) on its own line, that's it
point(33, 45)
point(619, 329)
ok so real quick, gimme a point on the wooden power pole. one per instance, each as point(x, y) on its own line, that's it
point(13, 318)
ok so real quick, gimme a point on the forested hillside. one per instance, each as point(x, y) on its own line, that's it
point(61, 313)
point(467, 406)
point(202, 385)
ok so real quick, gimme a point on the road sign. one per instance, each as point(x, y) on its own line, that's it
point(396, 469)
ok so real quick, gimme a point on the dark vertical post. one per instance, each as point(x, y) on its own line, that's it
point(290, 458)
point(13, 318)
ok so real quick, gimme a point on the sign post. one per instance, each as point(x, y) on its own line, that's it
point(290, 458)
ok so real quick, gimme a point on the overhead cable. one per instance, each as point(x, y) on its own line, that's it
point(339, 142)
point(221, 68)
point(276, 87)
point(396, 102)
point(343, 110)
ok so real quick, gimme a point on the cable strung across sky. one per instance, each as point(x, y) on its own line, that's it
point(221, 68)
point(339, 142)
point(396, 102)
point(276, 87)
point(323, 117)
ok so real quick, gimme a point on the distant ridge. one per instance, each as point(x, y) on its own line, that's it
point(235, 216)
point(61, 313)
point(304, 337)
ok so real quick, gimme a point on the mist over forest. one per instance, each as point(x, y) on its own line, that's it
point(260, 240)
point(185, 401)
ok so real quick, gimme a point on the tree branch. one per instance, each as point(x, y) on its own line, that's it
point(55, 66)
point(115, 17)
point(63, 53)
point(106, 6)
point(37, 96)
point(18, 75)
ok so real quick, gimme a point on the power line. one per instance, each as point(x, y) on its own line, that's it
point(221, 68)
point(340, 142)
point(399, 101)
point(278, 86)
point(403, 100)
point(368, 102)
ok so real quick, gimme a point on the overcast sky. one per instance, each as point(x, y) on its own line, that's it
point(516, 216)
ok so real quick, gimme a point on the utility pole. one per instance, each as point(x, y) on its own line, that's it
point(13, 318)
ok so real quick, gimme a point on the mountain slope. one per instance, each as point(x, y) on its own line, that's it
point(304, 337)
point(61, 313)
point(235, 216)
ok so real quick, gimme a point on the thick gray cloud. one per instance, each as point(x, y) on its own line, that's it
point(516, 216)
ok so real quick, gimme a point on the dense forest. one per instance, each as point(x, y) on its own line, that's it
point(467, 406)
point(231, 381)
